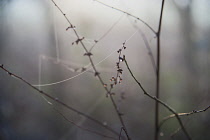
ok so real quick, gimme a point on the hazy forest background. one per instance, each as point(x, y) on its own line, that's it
point(36, 44)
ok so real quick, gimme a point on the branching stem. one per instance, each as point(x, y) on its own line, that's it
point(97, 74)
point(158, 100)
point(182, 114)
point(59, 101)
point(137, 18)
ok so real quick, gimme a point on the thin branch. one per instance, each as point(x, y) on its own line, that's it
point(137, 18)
point(121, 130)
point(83, 128)
point(175, 132)
point(58, 101)
point(107, 32)
point(116, 80)
point(158, 100)
point(147, 46)
point(182, 114)
point(97, 74)
point(120, 133)
point(149, 50)
point(158, 73)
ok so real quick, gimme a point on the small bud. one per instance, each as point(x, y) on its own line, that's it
point(9, 73)
point(121, 114)
point(96, 73)
point(79, 39)
point(119, 50)
point(121, 59)
point(88, 54)
point(70, 27)
point(120, 71)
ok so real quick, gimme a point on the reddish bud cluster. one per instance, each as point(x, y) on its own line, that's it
point(78, 40)
point(70, 27)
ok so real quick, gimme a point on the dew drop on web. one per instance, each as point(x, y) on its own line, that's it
point(105, 123)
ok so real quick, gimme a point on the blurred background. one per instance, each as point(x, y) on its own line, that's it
point(36, 44)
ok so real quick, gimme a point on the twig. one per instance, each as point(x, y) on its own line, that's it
point(158, 100)
point(83, 128)
point(137, 18)
point(120, 133)
point(117, 79)
point(158, 73)
point(175, 132)
point(147, 46)
point(105, 34)
point(58, 101)
point(97, 74)
point(182, 114)
point(121, 130)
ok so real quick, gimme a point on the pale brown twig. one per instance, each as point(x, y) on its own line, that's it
point(182, 114)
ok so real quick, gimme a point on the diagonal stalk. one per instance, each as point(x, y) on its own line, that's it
point(97, 74)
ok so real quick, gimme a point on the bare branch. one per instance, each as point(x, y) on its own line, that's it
point(158, 55)
point(159, 101)
point(182, 114)
point(147, 46)
point(97, 74)
point(121, 130)
point(137, 18)
point(83, 128)
point(106, 33)
point(58, 101)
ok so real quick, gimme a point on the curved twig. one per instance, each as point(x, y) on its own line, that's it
point(59, 101)
point(83, 128)
point(107, 32)
point(182, 114)
point(137, 18)
point(146, 43)
point(158, 100)
point(96, 73)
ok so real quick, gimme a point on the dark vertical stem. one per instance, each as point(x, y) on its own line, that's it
point(160, 102)
point(158, 73)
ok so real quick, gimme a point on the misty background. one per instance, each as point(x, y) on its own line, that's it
point(36, 44)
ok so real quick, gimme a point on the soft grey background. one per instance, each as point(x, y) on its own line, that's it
point(34, 44)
